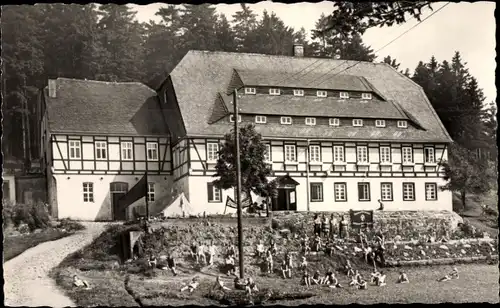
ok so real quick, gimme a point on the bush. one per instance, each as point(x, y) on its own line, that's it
point(36, 216)
point(70, 225)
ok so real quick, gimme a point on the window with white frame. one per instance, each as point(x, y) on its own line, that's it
point(274, 91)
point(407, 155)
point(212, 151)
point(100, 150)
point(316, 192)
point(430, 191)
point(338, 153)
point(334, 122)
point(126, 150)
point(214, 193)
point(151, 192)
point(386, 191)
point(402, 124)
point(314, 153)
point(340, 190)
point(75, 149)
point(385, 154)
point(267, 152)
point(298, 92)
point(357, 122)
point(344, 94)
point(286, 120)
point(366, 96)
point(260, 119)
point(321, 93)
point(429, 155)
point(408, 191)
point(290, 155)
point(250, 91)
point(364, 191)
point(231, 118)
point(88, 192)
point(362, 154)
point(310, 121)
point(152, 149)
point(380, 123)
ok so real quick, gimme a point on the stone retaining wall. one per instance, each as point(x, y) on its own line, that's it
point(442, 261)
point(407, 224)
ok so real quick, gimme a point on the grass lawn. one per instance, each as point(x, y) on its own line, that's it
point(15, 245)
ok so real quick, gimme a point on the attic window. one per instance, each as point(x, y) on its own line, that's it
point(260, 119)
point(380, 123)
point(321, 93)
point(273, 91)
point(402, 124)
point(357, 122)
point(334, 122)
point(286, 120)
point(344, 95)
point(298, 92)
point(231, 118)
point(250, 91)
point(310, 121)
point(366, 96)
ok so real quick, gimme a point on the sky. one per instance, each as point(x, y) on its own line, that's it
point(465, 27)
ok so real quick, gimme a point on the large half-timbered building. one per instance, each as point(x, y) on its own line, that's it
point(98, 140)
point(340, 134)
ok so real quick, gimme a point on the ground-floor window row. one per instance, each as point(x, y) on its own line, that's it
point(340, 192)
point(88, 191)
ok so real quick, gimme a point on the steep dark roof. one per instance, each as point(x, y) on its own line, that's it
point(201, 76)
point(87, 106)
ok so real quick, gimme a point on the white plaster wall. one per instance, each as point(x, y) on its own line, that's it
point(12, 187)
point(199, 195)
point(70, 194)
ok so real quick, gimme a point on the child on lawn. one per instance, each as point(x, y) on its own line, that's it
point(259, 251)
point(316, 278)
point(192, 285)
point(317, 243)
point(285, 270)
point(332, 281)
point(152, 262)
point(201, 254)
point(250, 286)
point(403, 278)
point(212, 249)
point(171, 264)
point(231, 270)
point(306, 279)
point(348, 269)
point(269, 262)
point(194, 251)
point(219, 285)
point(303, 264)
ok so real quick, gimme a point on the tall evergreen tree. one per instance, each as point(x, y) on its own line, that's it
point(197, 26)
point(245, 23)
point(224, 35)
point(275, 37)
point(392, 62)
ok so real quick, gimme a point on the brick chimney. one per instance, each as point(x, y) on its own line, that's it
point(52, 88)
point(298, 50)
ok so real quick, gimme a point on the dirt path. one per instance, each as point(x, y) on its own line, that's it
point(26, 276)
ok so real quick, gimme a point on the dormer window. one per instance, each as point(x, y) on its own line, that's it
point(344, 94)
point(366, 96)
point(260, 119)
point(357, 122)
point(298, 92)
point(310, 121)
point(334, 122)
point(231, 118)
point(250, 91)
point(274, 91)
point(321, 93)
point(380, 123)
point(286, 120)
point(402, 124)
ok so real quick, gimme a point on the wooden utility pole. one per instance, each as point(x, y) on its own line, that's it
point(238, 181)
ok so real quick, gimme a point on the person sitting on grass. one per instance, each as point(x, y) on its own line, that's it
point(303, 264)
point(349, 271)
point(329, 248)
point(381, 279)
point(317, 243)
point(361, 283)
point(454, 273)
point(201, 254)
point(152, 262)
point(306, 247)
point(219, 285)
point(259, 251)
point(194, 251)
point(250, 286)
point(332, 281)
point(269, 262)
point(285, 270)
point(171, 264)
point(374, 276)
point(306, 279)
point(231, 270)
point(355, 278)
point(192, 285)
point(77, 282)
point(316, 278)
point(403, 278)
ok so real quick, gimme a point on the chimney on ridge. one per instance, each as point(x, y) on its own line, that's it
point(298, 50)
point(53, 88)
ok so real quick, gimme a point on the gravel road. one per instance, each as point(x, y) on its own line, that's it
point(26, 276)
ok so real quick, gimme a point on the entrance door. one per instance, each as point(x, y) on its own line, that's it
point(118, 190)
point(286, 200)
